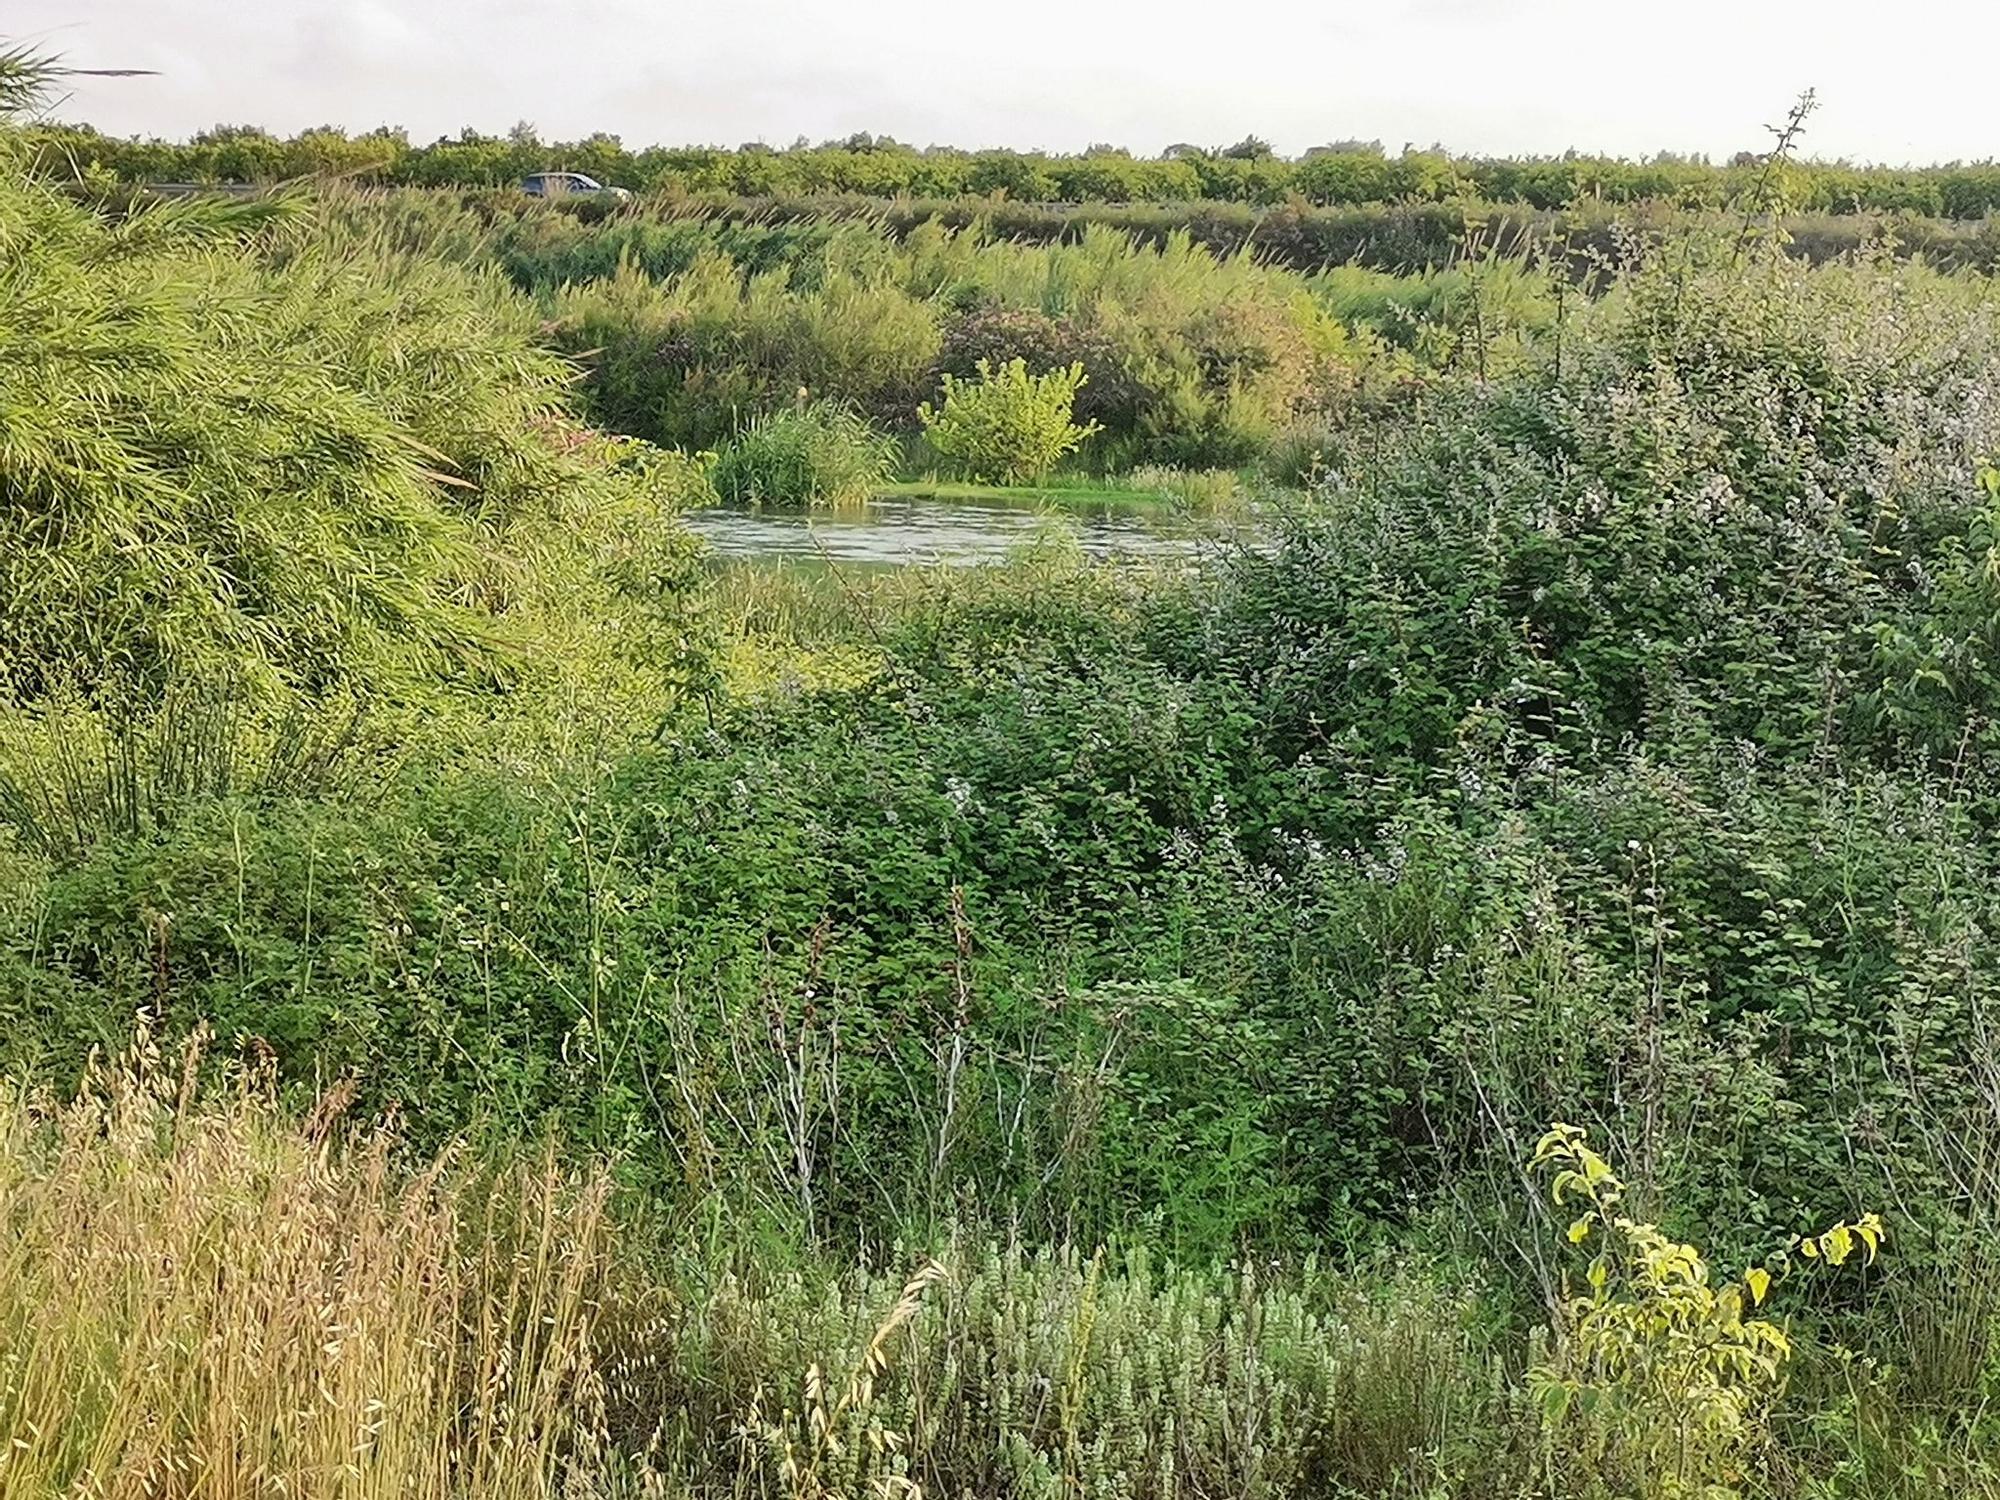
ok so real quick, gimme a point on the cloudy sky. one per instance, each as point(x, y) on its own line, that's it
point(1911, 82)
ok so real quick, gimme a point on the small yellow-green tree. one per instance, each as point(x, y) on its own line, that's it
point(1007, 426)
point(1656, 1377)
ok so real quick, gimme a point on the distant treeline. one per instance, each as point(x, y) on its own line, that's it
point(1346, 173)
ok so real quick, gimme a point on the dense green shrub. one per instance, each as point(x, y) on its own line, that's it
point(1007, 426)
point(1679, 637)
point(1756, 408)
point(817, 454)
point(292, 472)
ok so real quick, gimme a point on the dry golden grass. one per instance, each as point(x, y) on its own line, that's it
point(213, 1301)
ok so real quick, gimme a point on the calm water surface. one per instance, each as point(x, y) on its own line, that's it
point(895, 531)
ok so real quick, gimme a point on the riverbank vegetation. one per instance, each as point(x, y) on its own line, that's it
point(493, 1005)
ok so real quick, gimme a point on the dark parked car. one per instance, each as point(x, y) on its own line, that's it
point(569, 185)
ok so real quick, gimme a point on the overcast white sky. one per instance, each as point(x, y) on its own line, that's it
point(1908, 82)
